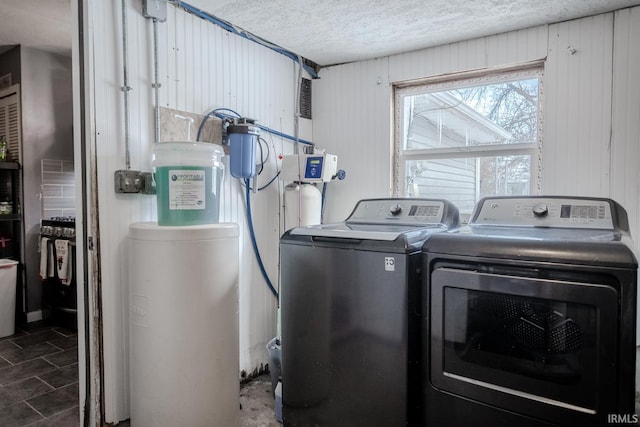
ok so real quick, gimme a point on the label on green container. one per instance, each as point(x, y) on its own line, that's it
point(188, 195)
point(187, 190)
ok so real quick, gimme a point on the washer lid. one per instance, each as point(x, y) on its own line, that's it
point(388, 219)
point(345, 230)
point(153, 231)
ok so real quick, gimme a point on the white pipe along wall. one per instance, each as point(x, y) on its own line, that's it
point(201, 67)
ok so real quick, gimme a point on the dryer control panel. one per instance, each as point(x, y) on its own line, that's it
point(538, 211)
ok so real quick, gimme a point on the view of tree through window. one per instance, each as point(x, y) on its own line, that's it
point(463, 141)
point(511, 105)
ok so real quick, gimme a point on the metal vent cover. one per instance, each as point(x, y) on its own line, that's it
point(305, 98)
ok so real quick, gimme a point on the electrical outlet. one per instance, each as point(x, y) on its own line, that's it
point(128, 181)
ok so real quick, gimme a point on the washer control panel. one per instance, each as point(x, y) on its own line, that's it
point(561, 212)
point(400, 211)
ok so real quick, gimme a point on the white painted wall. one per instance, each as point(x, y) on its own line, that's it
point(591, 119)
point(591, 109)
point(353, 106)
point(201, 67)
point(624, 182)
point(577, 103)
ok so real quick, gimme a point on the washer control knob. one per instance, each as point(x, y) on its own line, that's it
point(395, 209)
point(540, 210)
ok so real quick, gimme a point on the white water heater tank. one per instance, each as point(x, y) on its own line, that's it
point(302, 205)
point(183, 325)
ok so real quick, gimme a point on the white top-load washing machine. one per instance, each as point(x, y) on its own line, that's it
point(350, 307)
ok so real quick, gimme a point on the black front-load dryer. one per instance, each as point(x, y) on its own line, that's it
point(529, 316)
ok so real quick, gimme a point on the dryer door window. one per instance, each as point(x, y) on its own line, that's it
point(541, 343)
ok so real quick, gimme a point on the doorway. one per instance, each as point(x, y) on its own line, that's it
point(42, 364)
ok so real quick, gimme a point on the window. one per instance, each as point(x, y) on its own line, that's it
point(469, 138)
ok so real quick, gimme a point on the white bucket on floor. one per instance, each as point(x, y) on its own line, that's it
point(278, 397)
point(8, 275)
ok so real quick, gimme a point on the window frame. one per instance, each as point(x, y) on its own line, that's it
point(456, 81)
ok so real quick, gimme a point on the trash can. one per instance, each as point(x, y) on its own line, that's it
point(273, 347)
point(8, 275)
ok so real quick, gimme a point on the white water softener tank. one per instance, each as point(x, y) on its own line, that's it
point(183, 325)
point(302, 205)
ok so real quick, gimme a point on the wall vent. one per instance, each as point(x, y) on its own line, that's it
point(305, 98)
point(10, 123)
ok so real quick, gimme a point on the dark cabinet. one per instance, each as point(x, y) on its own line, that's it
point(11, 229)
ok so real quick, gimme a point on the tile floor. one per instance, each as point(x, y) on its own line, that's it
point(39, 377)
point(39, 382)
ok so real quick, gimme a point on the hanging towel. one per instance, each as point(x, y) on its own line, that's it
point(51, 258)
point(62, 260)
point(47, 258)
point(44, 257)
point(70, 264)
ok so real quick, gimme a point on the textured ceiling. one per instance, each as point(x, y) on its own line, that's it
point(326, 31)
point(336, 31)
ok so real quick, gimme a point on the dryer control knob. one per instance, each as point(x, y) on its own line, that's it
point(395, 209)
point(541, 209)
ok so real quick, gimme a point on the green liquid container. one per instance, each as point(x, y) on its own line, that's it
point(188, 178)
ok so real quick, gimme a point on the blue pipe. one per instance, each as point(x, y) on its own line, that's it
point(244, 34)
point(284, 135)
point(254, 243)
point(217, 112)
